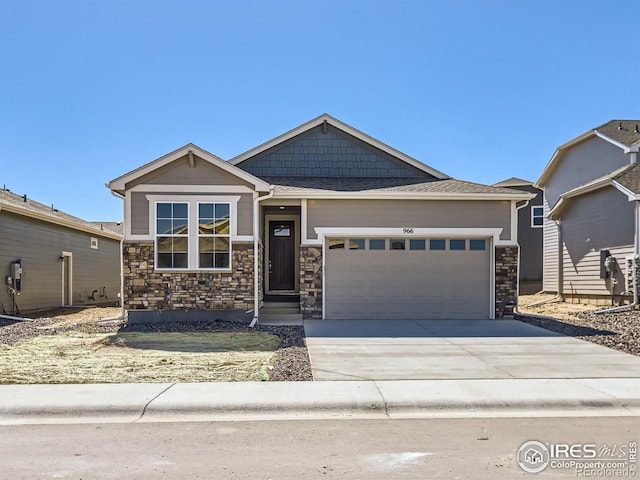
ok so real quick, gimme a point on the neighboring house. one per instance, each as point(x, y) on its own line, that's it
point(51, 259)
point(345, 226)
point(530, 223)
point(591, 191)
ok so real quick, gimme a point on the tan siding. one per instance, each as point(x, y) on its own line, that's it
point(408, 213)
point(140, 211)
point(550, 254)
point(180, 173)
point(39, 245)
point(602, 220)
point(139, 214)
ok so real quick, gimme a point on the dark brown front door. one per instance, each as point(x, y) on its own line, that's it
point(281, 256)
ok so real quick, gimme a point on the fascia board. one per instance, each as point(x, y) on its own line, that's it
point(61, 222)
point(630, 195)
point(625, 148)
point(119, 183)
point(404, 196)
point(347, 129)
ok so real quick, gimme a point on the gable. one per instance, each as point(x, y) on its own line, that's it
point(182, 172)
point(326, 151)
point(582, 163)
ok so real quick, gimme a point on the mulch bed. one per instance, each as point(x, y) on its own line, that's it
point(619, 330)
point(291, 364)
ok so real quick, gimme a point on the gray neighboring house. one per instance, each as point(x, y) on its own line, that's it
point(344, 226)
point(530, 224)
point(52, 259)
point(591, 190)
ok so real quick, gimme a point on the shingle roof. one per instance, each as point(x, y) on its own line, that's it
point(630, 178)
point(513, 182)
point(623, 131)
point(379, 185)
point(19, 203)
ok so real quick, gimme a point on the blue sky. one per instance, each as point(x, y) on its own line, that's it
point(482, 90)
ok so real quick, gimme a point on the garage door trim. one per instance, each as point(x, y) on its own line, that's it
point(493, 234)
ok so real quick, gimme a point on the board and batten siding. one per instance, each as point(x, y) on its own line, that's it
point(551, 252)
point(39, 245)
point(601, 220)
point(140, 210)
point(409, 213)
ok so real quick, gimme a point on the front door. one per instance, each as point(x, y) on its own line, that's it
point(281, 255)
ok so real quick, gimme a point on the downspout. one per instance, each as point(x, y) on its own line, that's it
point(636, 255)
point(122, 312)
point(256, 259)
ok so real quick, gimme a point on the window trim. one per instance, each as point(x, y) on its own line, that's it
point(193, 201)
point(533, 216)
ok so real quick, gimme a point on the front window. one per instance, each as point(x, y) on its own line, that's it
point(214, 235)
point(193, 235)
point(537, 217)
point(172, 235)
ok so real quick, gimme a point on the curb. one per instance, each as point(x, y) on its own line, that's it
point(394, 399)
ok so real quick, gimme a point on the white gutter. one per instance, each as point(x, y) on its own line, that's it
point(122, 312)
point(256, 259)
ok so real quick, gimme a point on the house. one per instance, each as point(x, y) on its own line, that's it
point(530, 224)
point(343, 225)
point(51, 259)
point(590, 200)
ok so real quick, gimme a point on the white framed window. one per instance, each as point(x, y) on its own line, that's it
point(214, 235)
point(193, 232)
point(94, 243)
point(537, 217)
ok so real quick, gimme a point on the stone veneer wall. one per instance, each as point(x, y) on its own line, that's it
point(506, 280)
point(311, 282)
point(145, 288)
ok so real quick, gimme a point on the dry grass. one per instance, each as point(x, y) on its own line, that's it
point(83, 357)
point(557, 308)
point(69, 316)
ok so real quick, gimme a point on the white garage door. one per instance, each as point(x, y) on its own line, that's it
point(402, 278)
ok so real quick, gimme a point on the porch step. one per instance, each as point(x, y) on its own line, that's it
point(288, 305)
point(280, 308)
point(280, 319)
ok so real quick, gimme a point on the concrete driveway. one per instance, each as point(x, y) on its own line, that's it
point(455, 349)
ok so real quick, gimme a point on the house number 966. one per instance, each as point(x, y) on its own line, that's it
point(407, 230)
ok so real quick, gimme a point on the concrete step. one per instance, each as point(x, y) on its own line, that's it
point(281, 305)
point(279, 311)
point(281, 319)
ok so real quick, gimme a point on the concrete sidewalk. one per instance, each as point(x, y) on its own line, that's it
point(126, 403)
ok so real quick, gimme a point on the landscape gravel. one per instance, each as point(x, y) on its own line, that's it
point(617, 330)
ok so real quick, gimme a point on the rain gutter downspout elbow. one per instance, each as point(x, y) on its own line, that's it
point(256, 259)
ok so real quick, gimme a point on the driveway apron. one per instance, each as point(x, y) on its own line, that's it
point(455, 350)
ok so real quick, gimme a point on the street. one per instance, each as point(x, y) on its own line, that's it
point(344, 449)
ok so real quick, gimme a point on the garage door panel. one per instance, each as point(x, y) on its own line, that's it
point(407, 283)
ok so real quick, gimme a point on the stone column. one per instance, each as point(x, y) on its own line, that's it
point(506, 280)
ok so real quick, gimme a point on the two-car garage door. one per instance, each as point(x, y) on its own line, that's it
point(407, 278)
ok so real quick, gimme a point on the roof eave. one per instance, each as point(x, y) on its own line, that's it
point(59, 221)
point(346, 128)
point(405, 195)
